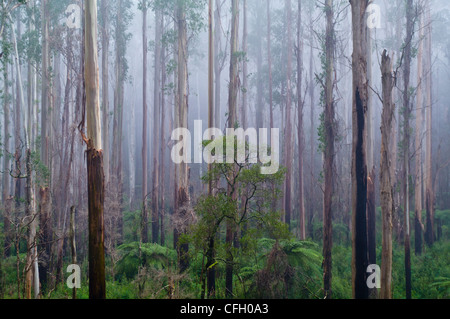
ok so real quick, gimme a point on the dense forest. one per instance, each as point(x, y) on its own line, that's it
point(220, 149)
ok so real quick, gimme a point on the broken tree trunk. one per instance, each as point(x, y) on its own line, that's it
point(96, 186)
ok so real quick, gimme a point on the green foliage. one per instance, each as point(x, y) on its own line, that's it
point(122, 17)
point(132, 223)
point(442, 218)
point(304, 254)
point(193, 9)
point(137, 254)
point(286, 268)
point(442, 284)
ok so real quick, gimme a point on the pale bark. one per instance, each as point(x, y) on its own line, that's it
point(105, 85)
point(96, 187)
point(259, 107)
point(386, 180)
point(245, 69)
point(217, 64)
point(418, 226)
point(182, 204)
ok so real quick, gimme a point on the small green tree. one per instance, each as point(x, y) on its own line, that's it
point(244, 201)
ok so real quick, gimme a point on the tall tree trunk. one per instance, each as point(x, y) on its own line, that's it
point(144, 217)
point(105, 86)
point(245, 68)
point(429, 193)
point(217, 64)
point(163, 141)
point(45, 198)
point(96, 178)
point(312, 130)
point(31, 271)
point(17, 117)
point(359, 168)
point(182, 191)
point(386, 181)
point(269, 61)
point(288, 137)
point(116, 168)
point(370, 136)
point(6, 193)
point(232, 119)
point(156, 127)
point(300, 127)
point(259, 107)
point(406, 140)
point(210, 269)
point(329, 150)
point(418, 148)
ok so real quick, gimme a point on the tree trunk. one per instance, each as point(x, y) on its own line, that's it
point(300, 128)
point(144, 217)
point(232, 119)
point(73, 247)
point(429, 193)
point(370, 136)
point(217, 66)
point(386, 184)
point(359, 168)
point(406, 141)
point(418, 148)
point(96, 186)
point(182, 204)
point(117, 172)
point(45, 198)
point(259, 107)
point(312, 131)
point(329, 151)
point(156, 127)
point(31, 242)
point(163, 143)
point(6, 194)
point(210, 270)
point(105, 85)
point(288, 137)
point(245, 68)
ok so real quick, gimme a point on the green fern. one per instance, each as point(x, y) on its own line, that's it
point(303, 254)
point(442, 283)
point(135, 254)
